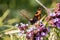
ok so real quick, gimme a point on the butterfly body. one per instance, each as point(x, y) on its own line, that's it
point(36, 17)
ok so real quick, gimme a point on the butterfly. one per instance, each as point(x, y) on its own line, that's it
point(36, 17)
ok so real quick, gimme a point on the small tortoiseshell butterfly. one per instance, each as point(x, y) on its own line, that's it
point(36, 17)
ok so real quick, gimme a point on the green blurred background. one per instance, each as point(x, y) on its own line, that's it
point(9, 14)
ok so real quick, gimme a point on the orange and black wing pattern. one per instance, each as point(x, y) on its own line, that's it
point(36, 17)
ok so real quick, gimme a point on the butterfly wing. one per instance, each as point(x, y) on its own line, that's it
point(36, 17)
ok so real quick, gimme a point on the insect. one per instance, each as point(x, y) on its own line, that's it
point(36, 17)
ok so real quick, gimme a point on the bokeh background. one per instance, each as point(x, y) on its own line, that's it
point(9, 13)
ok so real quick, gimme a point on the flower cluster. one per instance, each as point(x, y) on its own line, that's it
point(36, 32)
point(55, 17)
